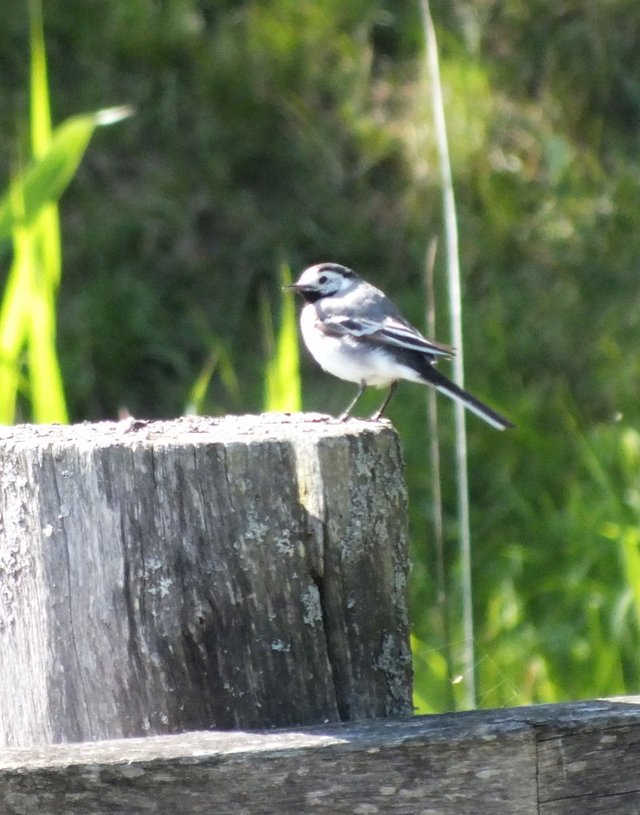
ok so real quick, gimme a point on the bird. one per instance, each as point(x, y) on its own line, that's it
point(356, 333)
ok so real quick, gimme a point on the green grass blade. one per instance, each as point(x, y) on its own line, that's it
point(40, 123)
point(217, 361)
point(198, 392)
point(283, 390)
point(27, 322)
point(629, 543)
point(42, 250)
point(455, 311)
point(47, 392)
point(29, 216)
point(14, 319)
point(46, 178)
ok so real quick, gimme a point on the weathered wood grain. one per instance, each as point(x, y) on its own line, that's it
point(441, 765)
point(202, 573)
point(589, 759)
point(564, 759)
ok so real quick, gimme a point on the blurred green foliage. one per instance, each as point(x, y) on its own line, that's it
point(300, 130)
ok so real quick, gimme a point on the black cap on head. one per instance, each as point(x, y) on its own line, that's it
point(337, 268)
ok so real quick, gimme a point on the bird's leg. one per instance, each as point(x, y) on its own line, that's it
point(345, 415)
point(378, 414)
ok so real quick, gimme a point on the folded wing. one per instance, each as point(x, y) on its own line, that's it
point(388, 332)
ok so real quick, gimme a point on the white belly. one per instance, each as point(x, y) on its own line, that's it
point(350, 359)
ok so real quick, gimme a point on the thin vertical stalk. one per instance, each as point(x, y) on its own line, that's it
point(455, 309)
point(436, 481)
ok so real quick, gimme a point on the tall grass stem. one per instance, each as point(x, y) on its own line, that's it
point(455, 309)
point(436, 481)
point(283, 387)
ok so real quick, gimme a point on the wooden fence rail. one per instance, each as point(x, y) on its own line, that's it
point(571, 759)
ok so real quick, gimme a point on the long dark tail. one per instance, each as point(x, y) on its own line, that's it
point(450, 388)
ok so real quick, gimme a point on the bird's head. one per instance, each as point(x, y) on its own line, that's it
point(323, 280)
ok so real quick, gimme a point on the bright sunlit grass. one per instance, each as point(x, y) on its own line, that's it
point(29, 365)
point(283, 388)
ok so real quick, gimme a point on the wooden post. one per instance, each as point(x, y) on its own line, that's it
point(157, 577)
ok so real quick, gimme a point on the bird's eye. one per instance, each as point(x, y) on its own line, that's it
point(322, 278)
